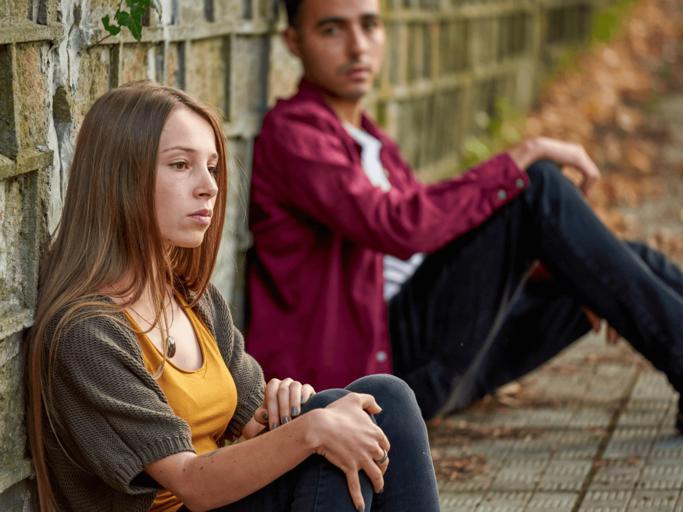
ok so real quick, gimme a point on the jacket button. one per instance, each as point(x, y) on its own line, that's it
point(502, 195)
point(520, 183)
point(381, 356)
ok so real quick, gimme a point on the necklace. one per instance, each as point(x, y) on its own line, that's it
point(170, 341)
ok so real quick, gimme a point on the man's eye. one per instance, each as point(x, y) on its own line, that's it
point(180, 165)
point(369, 26)
point(331, 31)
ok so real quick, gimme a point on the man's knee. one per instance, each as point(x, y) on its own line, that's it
point(541, 171)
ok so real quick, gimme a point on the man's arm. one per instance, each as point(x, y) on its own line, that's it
point(562, 153)
point(310, 172)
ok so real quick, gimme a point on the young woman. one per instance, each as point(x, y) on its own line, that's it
point(136, 372)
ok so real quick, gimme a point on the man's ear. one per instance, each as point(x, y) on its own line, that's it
point(292, 40)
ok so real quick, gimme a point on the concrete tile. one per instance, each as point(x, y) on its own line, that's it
point(460, 502)
point(661, 475)
point(564, 475)
point(577, 445)
point(520, 474)
point(652, 385)
point(668, 445)
point(605, 501)
point(653, 501)
point(618, 475)
point(552, 501)
point(505, 502)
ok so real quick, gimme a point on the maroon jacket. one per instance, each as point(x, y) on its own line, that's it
point(321, 229)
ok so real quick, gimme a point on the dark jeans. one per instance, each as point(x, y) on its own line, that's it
point(318, 486)
point(442, 316)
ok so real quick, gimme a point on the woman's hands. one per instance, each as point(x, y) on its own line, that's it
point(562, 153)
point(345, 435)
point(282, 402)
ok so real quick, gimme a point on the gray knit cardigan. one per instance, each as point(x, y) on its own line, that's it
point(112, 418)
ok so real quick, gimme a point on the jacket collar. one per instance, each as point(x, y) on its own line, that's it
point(308, 91)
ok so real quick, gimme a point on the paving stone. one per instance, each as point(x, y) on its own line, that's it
point(605, 501)
point(618, 475)
point(631, 442)
point(653, 501)
point(555, 501)
point(653, 385)
point(660, 475)
point(668, 445)
point(564, 475)
point(577, 445)
point(520, 474)
point(505, 502)
point(461, 502)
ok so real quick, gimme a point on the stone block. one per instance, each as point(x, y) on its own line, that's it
point(284, 72)
point(191, 11)
point(210, 83)
point(19, 498)
point(18, 239)
point(9, 146)
point(31, 95)
point(12, 429)
point(248, 82)
point(136, 62)
point(94, 79)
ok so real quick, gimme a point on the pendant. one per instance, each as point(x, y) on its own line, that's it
point(171, 346)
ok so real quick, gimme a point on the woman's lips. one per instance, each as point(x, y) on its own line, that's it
point(202, 216)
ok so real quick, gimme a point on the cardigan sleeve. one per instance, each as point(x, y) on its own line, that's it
point(246, 372)
point(110, 416)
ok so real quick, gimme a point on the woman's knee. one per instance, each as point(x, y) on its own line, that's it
point(385, 388)
point(322, 399)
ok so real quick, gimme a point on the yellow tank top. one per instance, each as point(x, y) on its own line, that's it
point(205, 398)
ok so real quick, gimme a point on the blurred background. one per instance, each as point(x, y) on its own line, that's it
point(462, 80)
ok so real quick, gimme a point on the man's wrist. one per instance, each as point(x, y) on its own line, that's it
point(526, 153)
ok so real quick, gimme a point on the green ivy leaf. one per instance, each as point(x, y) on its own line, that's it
point(112, 29)
point(134, 24)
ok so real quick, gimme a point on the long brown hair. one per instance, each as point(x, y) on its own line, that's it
point(108, 231)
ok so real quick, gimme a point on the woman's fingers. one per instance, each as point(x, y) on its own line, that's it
point(295, 399)
point(353, 483)
point(307, 392)
point(283, 401)
point(271, 403)
point(368, 403)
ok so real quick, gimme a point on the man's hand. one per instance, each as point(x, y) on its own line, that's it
point(562, 153)
point(612, 336)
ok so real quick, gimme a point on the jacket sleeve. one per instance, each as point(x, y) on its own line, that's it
point(245, 371)
point(310, 171)
point(111, 418)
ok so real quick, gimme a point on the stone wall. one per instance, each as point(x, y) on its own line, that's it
point(447, 61)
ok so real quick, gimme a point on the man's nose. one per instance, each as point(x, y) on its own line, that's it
point(358, 43)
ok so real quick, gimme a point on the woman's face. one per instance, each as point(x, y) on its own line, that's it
point(186, 188)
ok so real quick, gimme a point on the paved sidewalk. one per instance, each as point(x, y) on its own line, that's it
point(592, 430)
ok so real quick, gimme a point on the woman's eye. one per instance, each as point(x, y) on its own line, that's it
point(180, 165)
point(214, 170)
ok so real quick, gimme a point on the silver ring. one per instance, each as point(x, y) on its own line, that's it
point(383, 458)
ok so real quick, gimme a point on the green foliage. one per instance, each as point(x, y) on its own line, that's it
point(132, 19)
point(501, 131)
point(607, 22)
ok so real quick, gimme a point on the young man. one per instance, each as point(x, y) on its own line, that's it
point(333, 205)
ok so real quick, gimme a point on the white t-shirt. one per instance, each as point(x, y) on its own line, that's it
point(396, 271)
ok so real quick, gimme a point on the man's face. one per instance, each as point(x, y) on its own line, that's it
point(340, 43)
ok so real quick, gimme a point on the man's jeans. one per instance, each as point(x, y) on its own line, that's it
point(318, 486)
point(439, 320)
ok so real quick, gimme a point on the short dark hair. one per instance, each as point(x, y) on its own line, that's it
point(293, 8)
